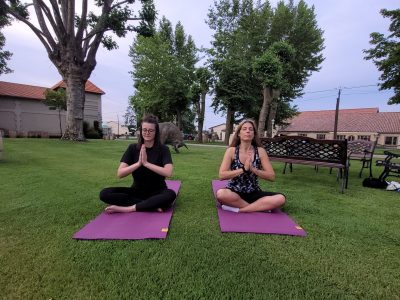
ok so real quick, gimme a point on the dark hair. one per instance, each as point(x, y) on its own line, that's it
point(236, 139)
point(152, 120)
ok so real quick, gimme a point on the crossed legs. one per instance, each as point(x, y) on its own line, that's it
point(129, 200)
point(266, 201)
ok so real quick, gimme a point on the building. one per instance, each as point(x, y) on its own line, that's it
point(22, 112)
point(220, 130)
point(117, 128)
point(362, 123)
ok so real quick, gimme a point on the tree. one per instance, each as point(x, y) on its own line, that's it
point(130, 119)
point(4, 55)
point(163, 72)
point(245, 31)
point(72, 41)
point(56, 100)
point(199, 91)
point(386, 54)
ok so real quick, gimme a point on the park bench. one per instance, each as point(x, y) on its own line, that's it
point(391, 168)
point(363, 151)
point(308, 151)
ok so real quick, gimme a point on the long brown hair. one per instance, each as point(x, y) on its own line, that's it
point(236, 139)
point(152, 120)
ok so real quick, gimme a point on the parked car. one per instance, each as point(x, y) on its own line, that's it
point(188, 136)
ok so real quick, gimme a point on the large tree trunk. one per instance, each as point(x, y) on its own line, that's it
point(75, 107)
point(229, 124)
point(267, 99)
point(179, 119)
point(271, 116)
point(200, 114)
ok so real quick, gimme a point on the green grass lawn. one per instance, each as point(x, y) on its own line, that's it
point(49, 190)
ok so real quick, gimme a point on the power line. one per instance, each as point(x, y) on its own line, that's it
point(347, 88)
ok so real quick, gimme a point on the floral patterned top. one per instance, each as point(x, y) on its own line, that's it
point(245, 182)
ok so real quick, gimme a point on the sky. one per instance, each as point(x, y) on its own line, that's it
point(347, 25)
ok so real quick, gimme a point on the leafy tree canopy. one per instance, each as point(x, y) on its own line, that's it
point(386, 54)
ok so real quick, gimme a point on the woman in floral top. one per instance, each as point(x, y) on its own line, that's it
point(244, 161)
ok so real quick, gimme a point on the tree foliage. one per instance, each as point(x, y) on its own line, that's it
point(163, 72)
point(56, 100)
point(245, 32)
point(72, 40)
point(386, 54)
point(4, 55)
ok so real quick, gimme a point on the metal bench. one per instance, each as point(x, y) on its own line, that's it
point(309, 151)
point(391, 168)
point(363, 151)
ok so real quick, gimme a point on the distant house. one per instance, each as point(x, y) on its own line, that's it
point(220, 130)
point(22, 111)
point(117, 128)
point(362, 123)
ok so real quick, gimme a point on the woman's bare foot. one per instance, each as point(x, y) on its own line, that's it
point(160, 210)
point(119, 209)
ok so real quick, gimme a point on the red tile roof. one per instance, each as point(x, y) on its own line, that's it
point(350, 120)
point(89, 87)
point(37, 92)
point(21, 90)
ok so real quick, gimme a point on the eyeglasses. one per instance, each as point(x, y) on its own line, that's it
point(145, 130)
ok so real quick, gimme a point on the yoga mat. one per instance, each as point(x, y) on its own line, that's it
point(275, 222)
point(129, 226)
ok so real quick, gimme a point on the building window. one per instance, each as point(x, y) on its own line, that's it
point(341, 137)
point(302, 134)
point(391, 140)
point(351, 138)
point(364, 137)
point(320, 136)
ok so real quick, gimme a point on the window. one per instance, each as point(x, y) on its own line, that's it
point(363, 137)
point(351, 138)
point(391, 140)
point(302, 134)
point(341, 137)
point(320, 136)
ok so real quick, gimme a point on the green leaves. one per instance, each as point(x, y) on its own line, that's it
point(386, 55)
point(163, 71)
point(56, 99)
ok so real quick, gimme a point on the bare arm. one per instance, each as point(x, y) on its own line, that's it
point(125, 169)
point(267, 172)
point(225, 171)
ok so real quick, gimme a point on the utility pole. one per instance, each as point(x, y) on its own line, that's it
point(336, 115)
point(118, 125)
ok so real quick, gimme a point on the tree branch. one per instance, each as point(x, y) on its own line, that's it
point(58, 18)
point(119, 4)
point(38, 33)
point(38, 5)
point(50, 18)
point(83, 23)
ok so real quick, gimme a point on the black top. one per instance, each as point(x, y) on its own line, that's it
point(144, 178)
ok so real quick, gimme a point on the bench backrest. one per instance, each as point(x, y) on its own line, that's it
point(361, 148)
point(306, 148)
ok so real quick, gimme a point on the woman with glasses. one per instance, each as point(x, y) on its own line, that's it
point(149, 162)
point(244, 161)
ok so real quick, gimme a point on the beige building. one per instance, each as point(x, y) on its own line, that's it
point(22, 112)
point(353, 124)
point(117, 129)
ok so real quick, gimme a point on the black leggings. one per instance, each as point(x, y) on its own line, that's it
point(144, 200)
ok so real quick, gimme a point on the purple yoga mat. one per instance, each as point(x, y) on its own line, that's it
point(275, 222)
point(129, 226)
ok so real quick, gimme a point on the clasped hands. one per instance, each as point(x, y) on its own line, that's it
point(248, 163)
point(143, 157)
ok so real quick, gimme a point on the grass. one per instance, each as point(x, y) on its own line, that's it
point(49, 190)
